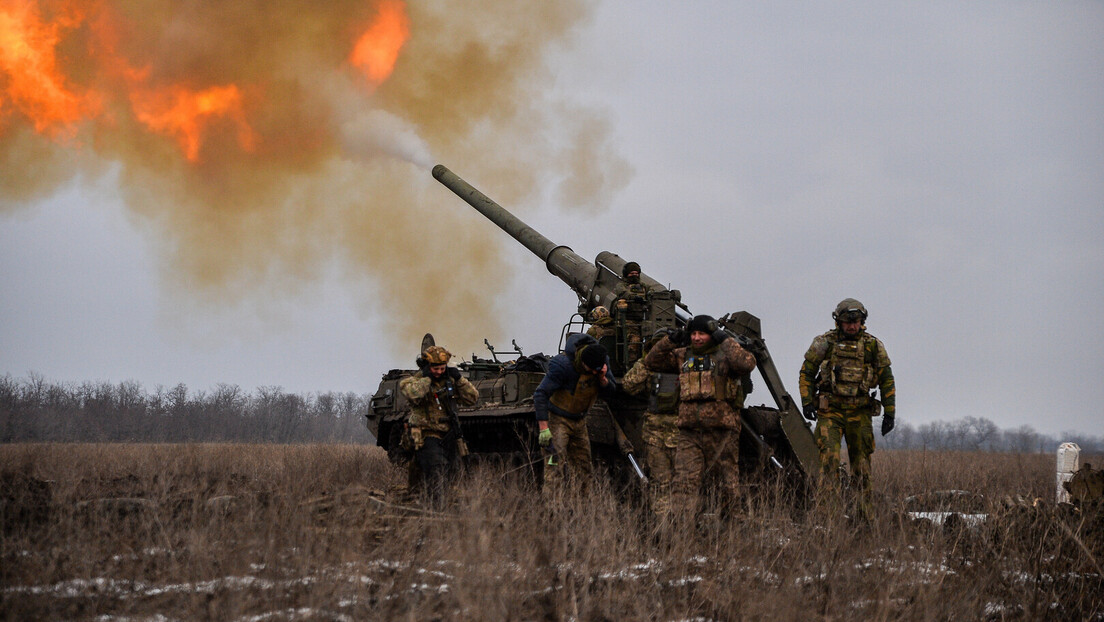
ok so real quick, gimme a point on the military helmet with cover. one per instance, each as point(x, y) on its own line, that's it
point(436, 355)
point(849, 310)
point(599, 313)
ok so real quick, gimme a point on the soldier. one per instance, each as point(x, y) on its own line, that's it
point(601, 323)
point(841, 370)
point(630, 303)
point(575, 380)
point(709, 366)
point(433, 392)
point(660, 426)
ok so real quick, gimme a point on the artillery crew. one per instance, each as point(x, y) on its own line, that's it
point(842, 369)
point(709, 366)
point(576, 378)
point(433, 427)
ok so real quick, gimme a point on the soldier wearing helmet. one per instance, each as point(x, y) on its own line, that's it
point(432, 391)
point(601, 323)
point(629, 308)
point(842, 370)
point(710, 367)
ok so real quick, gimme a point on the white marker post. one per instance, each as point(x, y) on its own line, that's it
point(1068, 462)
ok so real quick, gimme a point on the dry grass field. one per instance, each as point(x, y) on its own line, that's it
point(319, 532)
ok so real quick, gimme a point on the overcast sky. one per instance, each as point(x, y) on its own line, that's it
point(943, 162)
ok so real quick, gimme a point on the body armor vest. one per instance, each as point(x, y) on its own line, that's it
point(664, 396)
point(698, 381)
point(845, 374)
point(635, 298)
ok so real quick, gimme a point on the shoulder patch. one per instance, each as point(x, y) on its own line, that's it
point(819, 350)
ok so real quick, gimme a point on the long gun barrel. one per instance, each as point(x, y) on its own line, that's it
point(593, 283)
point(561, 261)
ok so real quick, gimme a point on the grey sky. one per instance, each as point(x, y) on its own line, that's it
point(942, 162)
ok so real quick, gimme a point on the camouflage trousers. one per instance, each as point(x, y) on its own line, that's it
point(706, 453)
point(857, 429)
point(661, 438)
point(568, 457)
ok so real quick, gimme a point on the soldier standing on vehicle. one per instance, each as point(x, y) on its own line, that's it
point(709, 365)
point(842, 369)
point(601, 324)
point(630, 305)
point(576, 378)
point(660, 426)
point(434, 392)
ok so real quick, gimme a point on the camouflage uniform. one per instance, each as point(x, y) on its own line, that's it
point(562, 399)
point(434, 447)
point(708, 423)
point(630, 303)
point(660, 430)
point(839, 373)
point(602, 328)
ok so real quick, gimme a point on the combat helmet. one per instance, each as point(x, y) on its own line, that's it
point(599, 315)
point(849, 310)
point(436, 355)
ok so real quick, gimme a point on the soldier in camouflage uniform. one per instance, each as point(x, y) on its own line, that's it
point(841, 370)
point(576, 378)
point(630, 303)
point(660, 426)
point(709, 366)
point(432, 391)
point(601, 323)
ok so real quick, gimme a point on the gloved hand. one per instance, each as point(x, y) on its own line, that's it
point(888, 421)
point(545, 437)
point(454, 373)
point(421, 363)
point(678, 336)
point(720, 335)
point(810, 411)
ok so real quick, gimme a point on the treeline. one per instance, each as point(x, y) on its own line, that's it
point(35, 410)
point(980, 434)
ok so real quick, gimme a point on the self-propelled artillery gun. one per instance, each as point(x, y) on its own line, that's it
point(774, 440)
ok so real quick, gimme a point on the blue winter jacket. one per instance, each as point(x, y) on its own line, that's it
point(562, 375)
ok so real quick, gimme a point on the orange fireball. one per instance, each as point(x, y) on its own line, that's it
point(378, 48)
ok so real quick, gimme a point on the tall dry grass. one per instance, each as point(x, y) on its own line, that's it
point(251, 532)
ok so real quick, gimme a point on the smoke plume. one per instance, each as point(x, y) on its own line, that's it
point(263, 141)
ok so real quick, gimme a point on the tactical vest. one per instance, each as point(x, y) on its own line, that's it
point(635, 297)
point(430, 413)
point(574, 403)
point(847, 374)
point(698, 381)
point(664, 395)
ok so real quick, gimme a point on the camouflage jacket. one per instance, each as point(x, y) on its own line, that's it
point(601, 330)
point(428, 399)
point(660, 420)
point(842, 374)
point(709, 380)
point(630, 300)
